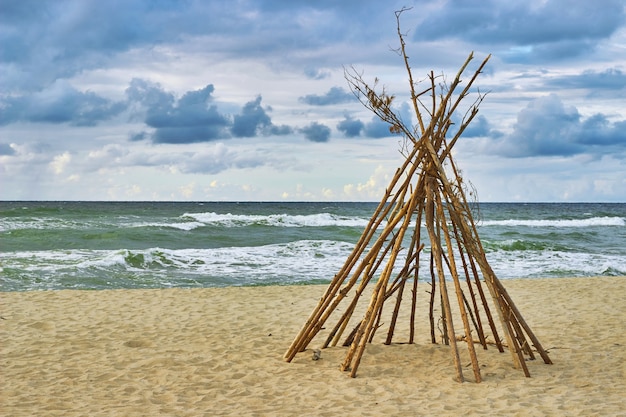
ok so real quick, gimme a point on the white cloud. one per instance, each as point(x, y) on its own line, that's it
point(187, 191)
point(60, 162)
point(372, 189)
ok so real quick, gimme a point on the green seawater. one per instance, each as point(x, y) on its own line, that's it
point(96, 245)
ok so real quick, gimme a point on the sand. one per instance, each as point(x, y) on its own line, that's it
point(213, 352)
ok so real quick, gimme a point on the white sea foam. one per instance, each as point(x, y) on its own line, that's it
point(590, 222)
point(311, 259)
point(277, 220)
point(549, 263)
point(9, 224)
point(298, 261)
point(178, 225)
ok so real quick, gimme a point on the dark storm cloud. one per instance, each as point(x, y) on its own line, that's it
point(479, 126)
point(350, 127)
point(598, 131)
point(376, 129)
point(278, 130)
point(254, 120)
point(611, 78)
point(49, 39)
point(55, 39)
point(546, 127)
point(552, 30)
point(316, 73)
point(150, 95)
point(195, 117)
point(138, 136)
point(192, 118)
point(336, 95)
point(60, 103)
point(46, 40)
point(316, 132)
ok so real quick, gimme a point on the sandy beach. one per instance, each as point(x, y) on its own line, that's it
point(219, 351)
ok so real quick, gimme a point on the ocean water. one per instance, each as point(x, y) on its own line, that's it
point(98, 245)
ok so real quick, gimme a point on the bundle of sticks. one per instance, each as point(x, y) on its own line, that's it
point(425, 201)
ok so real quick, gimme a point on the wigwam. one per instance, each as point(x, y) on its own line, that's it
point(425, 201)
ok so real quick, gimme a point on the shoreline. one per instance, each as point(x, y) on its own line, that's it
point(218, 351)
point(274, 284)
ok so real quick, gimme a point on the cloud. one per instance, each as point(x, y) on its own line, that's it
point(211, 159)
point(598, 131)
point(316, 132)
point(150, 95)
point(479, 127)
point(610, 79)
point(551, 30)
point(205, 159)
point(316, 73)
point(336, 95)
point(195, 117)
point(60, 162)
point(108, 156)
point(47, 40)
point(350, 127)
point(60, 103)
point(546, 127)
point(218, 159)
point(254, 120)
point(188, 122)
point(6, 149)
point(190, 119)
point(376, 129)
point(372, 188)
point(551, 51)
point(138, 136)
point(280, 130)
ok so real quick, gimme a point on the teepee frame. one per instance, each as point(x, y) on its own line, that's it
point(425, 197)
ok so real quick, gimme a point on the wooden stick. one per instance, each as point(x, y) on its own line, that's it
point(431, 313)
point(458, 290)
point(431, 221)
point(533, 338)
point(466, 268)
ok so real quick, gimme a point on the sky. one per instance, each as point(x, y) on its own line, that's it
point(206, 100)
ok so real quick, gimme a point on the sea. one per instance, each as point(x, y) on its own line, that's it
point(113, 245)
